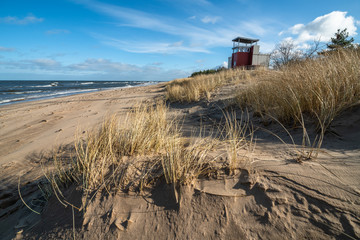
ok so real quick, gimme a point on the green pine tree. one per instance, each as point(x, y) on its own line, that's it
point(340, 40)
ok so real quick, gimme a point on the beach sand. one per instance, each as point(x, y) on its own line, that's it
point(32, 127)
point(273, 197)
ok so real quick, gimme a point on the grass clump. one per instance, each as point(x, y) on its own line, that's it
point(192, 89)
point(133, 154)
point(182, 164)
point(238, 134)
point(202, 86)
point(107, 157)
point(321, 88)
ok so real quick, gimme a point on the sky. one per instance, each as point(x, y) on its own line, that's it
point(153, 40)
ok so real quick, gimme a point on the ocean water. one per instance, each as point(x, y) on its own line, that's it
point(18, 91)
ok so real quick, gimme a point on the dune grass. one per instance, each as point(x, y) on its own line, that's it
point(238, 134)
point(134, 153)
point(202, 86)
point(104, 157)
point(183, 164)
point(321, 88)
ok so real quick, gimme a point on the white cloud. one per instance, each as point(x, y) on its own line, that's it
point(149, 47)
point(157, 63)
point(57, 31)
point(101, 65)
point(323, 27)
point(5, 49)
point(254, 27)
point(177, 44)
point(191, 2)
point(131, 17)
point(44, 62)
point(92, 68)
point(196, 39)
point(21, 21)
point(201, 2)
point(31, 65)
point(208, 19)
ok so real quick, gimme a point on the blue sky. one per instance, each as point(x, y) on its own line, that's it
point(152, 40)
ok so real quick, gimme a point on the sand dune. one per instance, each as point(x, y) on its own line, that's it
point(272, 197)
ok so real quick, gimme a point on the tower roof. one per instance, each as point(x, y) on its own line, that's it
point(245, 40)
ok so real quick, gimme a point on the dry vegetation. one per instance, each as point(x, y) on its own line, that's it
point(113, 157)
point(321, 88)
point(201, 86)
point(133, 154)
point(239, 134)
point(318, 89)
point(148, 146)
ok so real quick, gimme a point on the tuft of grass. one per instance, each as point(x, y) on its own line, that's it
point(181, 163)
point(102, 159)
point(239, 135)
point(132, 154)
point(202, 86)
point(192, 89)
point(321, 88)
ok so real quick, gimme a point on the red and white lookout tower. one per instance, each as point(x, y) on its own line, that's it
point(246, 54)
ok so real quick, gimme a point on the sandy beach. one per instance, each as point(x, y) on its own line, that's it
point(272, 197)
point(30, 131)
point(31, 127)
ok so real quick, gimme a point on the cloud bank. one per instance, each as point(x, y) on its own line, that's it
point(92, 68)
point(323, 27)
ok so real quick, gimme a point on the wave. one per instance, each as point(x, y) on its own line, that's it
point(53, 84)
point(87, 83)
point(46, 96)
point(147, 84)
point(11, 100)
point(31, 93)
point(22, 92)
point(65, 93)
point(41, 86)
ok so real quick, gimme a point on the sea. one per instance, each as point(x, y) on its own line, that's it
point(20, 91)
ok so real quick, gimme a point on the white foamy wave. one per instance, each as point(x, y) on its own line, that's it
point(42, 86)
point(26, 92)
point(37, 91)
point(54, 84)
point(11, 100)
point(46, 96)
point(60, 93)
point(147, 84)
point(114, 82)
point(87, 83)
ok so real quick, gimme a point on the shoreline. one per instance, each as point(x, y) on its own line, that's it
point(70, 93)
point(36, 126)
